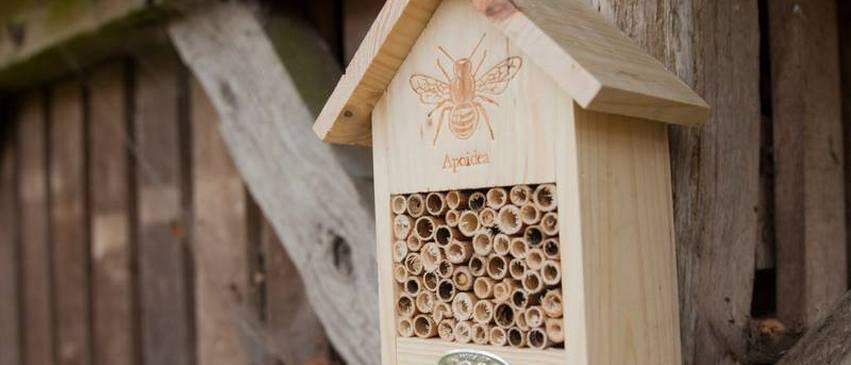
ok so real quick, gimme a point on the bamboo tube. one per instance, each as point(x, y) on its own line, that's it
point(520, 319)
point(544, 197)
point(516, 337)
point(535, 258)
point(508, 220)
point(400, 250)
point(452, 217)
point(532, 282)
point(446, 329)
point(445, 269)
point(400, 273)
point(497, 336)
point(501, 244)
point(414, 244)
point(405, 327)
point(551, 273)
point(551, 304)
point(497, 197)
point(444, 234)
point(456, 199)
point(477, 201)
point(424, 227)
point(424, 326)
point(446, 290)
point(431, 255)
point(483, 287)
point(518, 247)
point(533, 236)
point(481, 333)
point(482, 243)
point(497, 267)
point(463, 331)
point(398, 204)
point(520, 194)
point(463, 278)
point(487, 217)
point(425, 301)
point(435, 204)
point(459, 252)
point(430, 280)
point(529, 214)
point(405, 306)
point(401, 226)
point(416, 205)
point(503, 315)
point(441, 311)
point(517, 269)
point(483, 311)
point(413, 286)
point(414, 264)
point(478, 265)
point(462, 305)
point(538, 339)
point(469, 223)
point(549, 224)
point(555, 329)
point(502, 290)
point(519, 298)
point(534, 316)
point(551, 248)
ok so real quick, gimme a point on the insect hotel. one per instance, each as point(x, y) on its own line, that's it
point(522, 183)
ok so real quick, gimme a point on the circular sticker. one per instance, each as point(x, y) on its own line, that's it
point(470, 357)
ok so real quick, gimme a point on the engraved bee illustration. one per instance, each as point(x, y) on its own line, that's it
point(460, 97)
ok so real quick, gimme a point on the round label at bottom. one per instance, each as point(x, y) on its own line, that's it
point(470, 357)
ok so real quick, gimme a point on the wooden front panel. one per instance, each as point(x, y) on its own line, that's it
point(449, 126)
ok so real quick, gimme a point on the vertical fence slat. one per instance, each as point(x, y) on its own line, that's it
point(162, 253)
point(112, 283)
point(35, 249)
point(9, 291)
point(844, 18)
point(220, 240)
point(808, 155)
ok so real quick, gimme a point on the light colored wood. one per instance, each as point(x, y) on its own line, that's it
point(70, 246)
point(36, 315)
point(809, 195)
point(300, 184)
point(589, 59)
point(10, 321)
point(827, 340)
point(112, 284)
point(414, 351)
point(219, 240)
point(527, 111)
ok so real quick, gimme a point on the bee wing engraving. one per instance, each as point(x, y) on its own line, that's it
point(495, 81)
point(430, 89)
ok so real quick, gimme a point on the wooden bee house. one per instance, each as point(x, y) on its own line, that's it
point(522, 182)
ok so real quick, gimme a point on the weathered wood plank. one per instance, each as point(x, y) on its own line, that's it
point(113, 327)
point(808, 154)
point(70, 254)
point(298, 182)
point(844, 17)
point(36, 318)
point(163, 252)
point(714, 46)
point(826, 342)
point(219, 239)
point(9, 255)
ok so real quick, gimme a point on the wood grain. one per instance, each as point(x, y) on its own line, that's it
point(809, 195)
point(299, 183)
point(36, 317)
point(10, 342)
point(164, 271)
point(219, 239)
point(827, 340)
point(113, 300)
point(844, 17)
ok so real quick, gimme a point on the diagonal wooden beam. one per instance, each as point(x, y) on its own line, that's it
point(301, 184)
point(826, 342)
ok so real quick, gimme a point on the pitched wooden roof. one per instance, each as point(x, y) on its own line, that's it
point(600, 67)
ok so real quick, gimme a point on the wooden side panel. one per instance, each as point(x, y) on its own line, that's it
point(36, 318)
point(164, 272)
point(9, 255)
point(809, 195)
point(219, 239)
point(114, 331)
point(629, 265)
point(70, 256)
